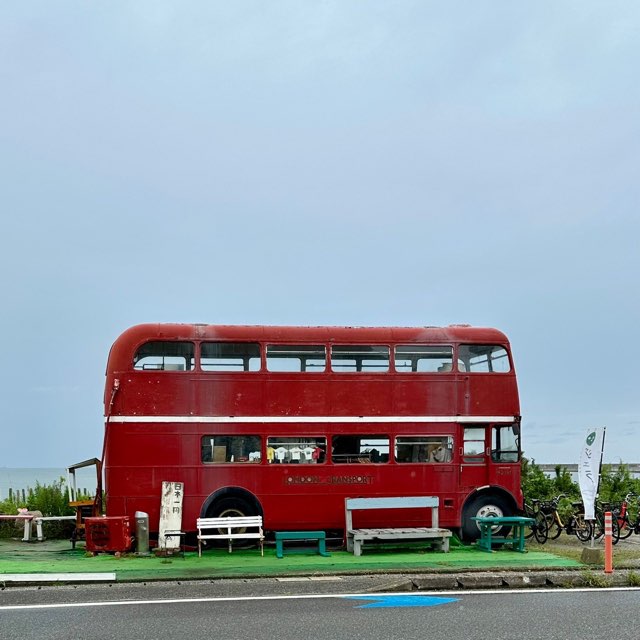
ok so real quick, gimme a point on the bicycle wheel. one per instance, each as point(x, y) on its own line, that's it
point(528, 513)
point(553, 527)
point(626, 528)
point(582, 528)
point(615, 530)
point(598, 527)
point(540, 529)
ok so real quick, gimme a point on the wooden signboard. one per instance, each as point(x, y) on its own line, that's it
point(170, 515)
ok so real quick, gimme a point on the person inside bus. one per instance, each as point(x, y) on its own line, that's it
point(345, 448)
point(440, 454)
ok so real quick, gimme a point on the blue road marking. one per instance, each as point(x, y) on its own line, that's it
point(401, 601)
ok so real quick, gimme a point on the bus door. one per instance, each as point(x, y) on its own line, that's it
point(474, 468)
point(505, 455)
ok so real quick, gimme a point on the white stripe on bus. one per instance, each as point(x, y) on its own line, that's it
point(312, 419)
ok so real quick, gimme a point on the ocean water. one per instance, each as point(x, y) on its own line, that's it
point(18, 479)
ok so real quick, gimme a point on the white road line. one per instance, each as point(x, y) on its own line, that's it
point(368, 596)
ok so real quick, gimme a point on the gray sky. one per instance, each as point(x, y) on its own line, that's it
point(370, 163)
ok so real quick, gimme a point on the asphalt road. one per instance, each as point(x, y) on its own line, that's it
point(186, 612)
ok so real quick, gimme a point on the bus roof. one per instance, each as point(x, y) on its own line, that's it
point(133, 337)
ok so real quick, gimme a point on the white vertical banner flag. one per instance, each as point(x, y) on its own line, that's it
point(589, 469)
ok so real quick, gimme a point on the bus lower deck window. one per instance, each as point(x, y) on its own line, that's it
point(366, 449)
point(237, 449)
point(430, 449)
point(296, 450)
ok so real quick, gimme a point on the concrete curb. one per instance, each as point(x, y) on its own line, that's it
point(28, 579)
point(517, 580)
point(568, 578)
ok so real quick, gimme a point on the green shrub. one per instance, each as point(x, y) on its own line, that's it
point(50, 500)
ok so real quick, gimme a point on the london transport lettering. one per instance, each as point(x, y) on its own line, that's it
point(329, 480)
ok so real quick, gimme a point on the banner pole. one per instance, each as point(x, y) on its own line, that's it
point(593, 530)
point(604, 435)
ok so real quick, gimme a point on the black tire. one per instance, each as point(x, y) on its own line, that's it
point(230, 506)
point(483, 506)
point(626, 529)
point(553, 528)
point(540, 528)
point(615, 530)
point(528, 531)
point(598, 527)
point(583, 528)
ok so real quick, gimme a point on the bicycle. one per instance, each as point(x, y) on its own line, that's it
point(598, 524)
point(621, 514)
point(575, 525)
point(539, 527)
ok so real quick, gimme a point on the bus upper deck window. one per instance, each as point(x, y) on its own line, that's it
point(230, 356)
point(423, 358)
point(483, 358)
point(299, 357)
point(360, 358)
point(165, 355)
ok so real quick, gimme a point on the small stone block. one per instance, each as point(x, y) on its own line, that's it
point(592, 556)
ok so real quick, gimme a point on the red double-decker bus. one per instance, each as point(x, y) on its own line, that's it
point(286, 422)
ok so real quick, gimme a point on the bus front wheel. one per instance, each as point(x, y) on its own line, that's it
point(483, 506)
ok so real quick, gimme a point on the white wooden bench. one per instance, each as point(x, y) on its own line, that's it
point(356, 537)
point(40, 519)
point(233, 528)
point(27, 524)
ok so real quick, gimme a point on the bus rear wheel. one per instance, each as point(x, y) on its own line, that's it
point(230, 507)
point(483, 506)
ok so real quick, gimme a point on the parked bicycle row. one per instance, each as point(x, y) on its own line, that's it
point(558, 515)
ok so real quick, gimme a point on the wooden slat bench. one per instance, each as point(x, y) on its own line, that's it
point(319, 536)
point(233, 528)
point(356, 537)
